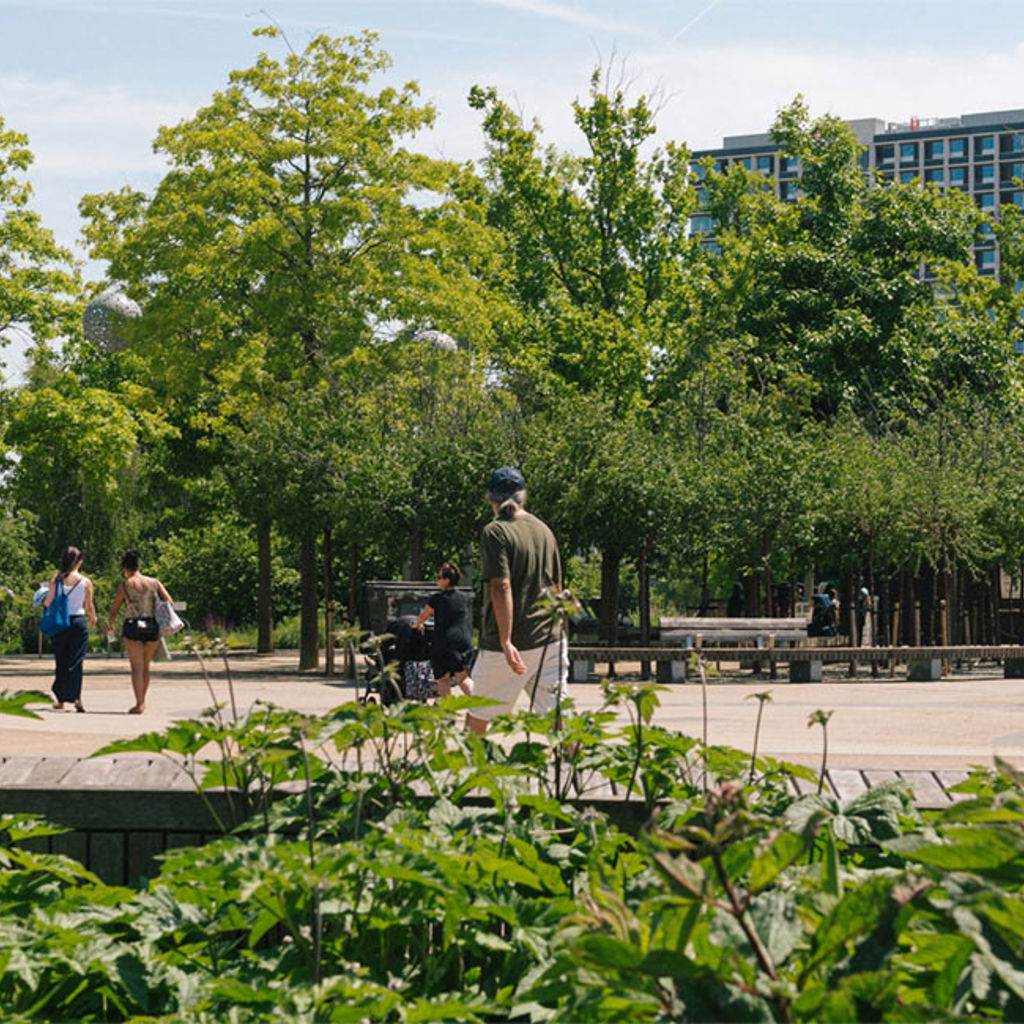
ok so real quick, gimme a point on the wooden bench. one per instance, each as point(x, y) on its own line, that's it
point(924, 664)
point(761, 634)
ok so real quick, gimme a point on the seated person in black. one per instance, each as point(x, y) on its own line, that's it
point(451, 647)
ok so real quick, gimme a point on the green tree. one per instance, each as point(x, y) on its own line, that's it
point(292, 224)
point(39, 282)
point(593, 242)
point(831, 286)
point(595, 245)
point(81, 465)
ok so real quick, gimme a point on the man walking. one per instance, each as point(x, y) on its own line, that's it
point(520, 644)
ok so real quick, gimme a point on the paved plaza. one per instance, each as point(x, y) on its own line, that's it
point(966, 719)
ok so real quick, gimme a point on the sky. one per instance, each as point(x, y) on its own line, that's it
point(90, 81)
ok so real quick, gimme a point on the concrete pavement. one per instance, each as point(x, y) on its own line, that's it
point(964, 720)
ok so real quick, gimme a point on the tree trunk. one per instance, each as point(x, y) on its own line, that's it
point(610, 561)
point(645, 605)
point(309, 628)
point(416, 553)
point(264, 592)
point(328, 605)
point(353, 584)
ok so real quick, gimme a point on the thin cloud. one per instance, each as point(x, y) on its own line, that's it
point(571, 15)
point(693, 21)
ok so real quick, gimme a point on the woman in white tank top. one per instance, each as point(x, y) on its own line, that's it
point(71, 645)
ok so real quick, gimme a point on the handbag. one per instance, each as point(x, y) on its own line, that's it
point(55, 618)
point(166, 617)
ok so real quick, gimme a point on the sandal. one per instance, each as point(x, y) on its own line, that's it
point(57, 705)
point(136, 711)
point(79, 708)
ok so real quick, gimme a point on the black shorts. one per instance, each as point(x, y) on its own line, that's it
point(141, 629)
point(444, 662)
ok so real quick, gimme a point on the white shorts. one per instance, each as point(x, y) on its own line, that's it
point(492, 678)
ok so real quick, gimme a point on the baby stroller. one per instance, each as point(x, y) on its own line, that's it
point(410, 648)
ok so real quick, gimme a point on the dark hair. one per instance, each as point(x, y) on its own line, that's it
point(71, 557)
point(130, 560)
point(450, 572)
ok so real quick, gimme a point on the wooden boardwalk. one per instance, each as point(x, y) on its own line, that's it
point(123, 812)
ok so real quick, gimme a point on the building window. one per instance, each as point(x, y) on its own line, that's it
point(986, 259)
point(1008, 172)
point(884, 155)
point(957, 149)
point(765, 164)
point(908, 152)
point(935, 176)
point(1017, 198)
point(702, 224)
point(742, 161)
point(906, 177)
point(1012, 143)
point(984, 145)
point(958, 177)
point(984, 175)
point(789, 165)
point(935, 149)
point(721, 166)
point(789, 191)
point(987, 200)
point(698, 171)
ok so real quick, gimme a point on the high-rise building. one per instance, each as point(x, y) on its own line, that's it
point(981, 154)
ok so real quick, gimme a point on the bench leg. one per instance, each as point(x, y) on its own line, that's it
point(1013, 668)
point(924, 670)
point(671, 671)
point(805, 671)
point(580, 669)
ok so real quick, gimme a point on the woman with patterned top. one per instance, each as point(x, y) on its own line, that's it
point(140, 631)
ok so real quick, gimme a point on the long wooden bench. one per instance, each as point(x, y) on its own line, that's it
point(760, 633)
point(923, 663)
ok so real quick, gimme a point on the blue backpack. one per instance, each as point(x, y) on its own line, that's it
point(55, 618)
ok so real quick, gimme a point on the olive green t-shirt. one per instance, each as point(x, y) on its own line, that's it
point(524, 551)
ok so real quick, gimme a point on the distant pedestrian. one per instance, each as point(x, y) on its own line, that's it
point(451, 642)
point(71, 645)
point(820, 624)
point(140, 631)
point(734, 607)
point(520, 644)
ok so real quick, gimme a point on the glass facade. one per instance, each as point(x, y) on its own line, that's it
point(957, 149)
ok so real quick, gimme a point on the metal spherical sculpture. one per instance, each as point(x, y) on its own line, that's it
point(104, 318)
point(440, 340)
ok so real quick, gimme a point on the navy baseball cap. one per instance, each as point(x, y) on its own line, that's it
point(506, 481)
